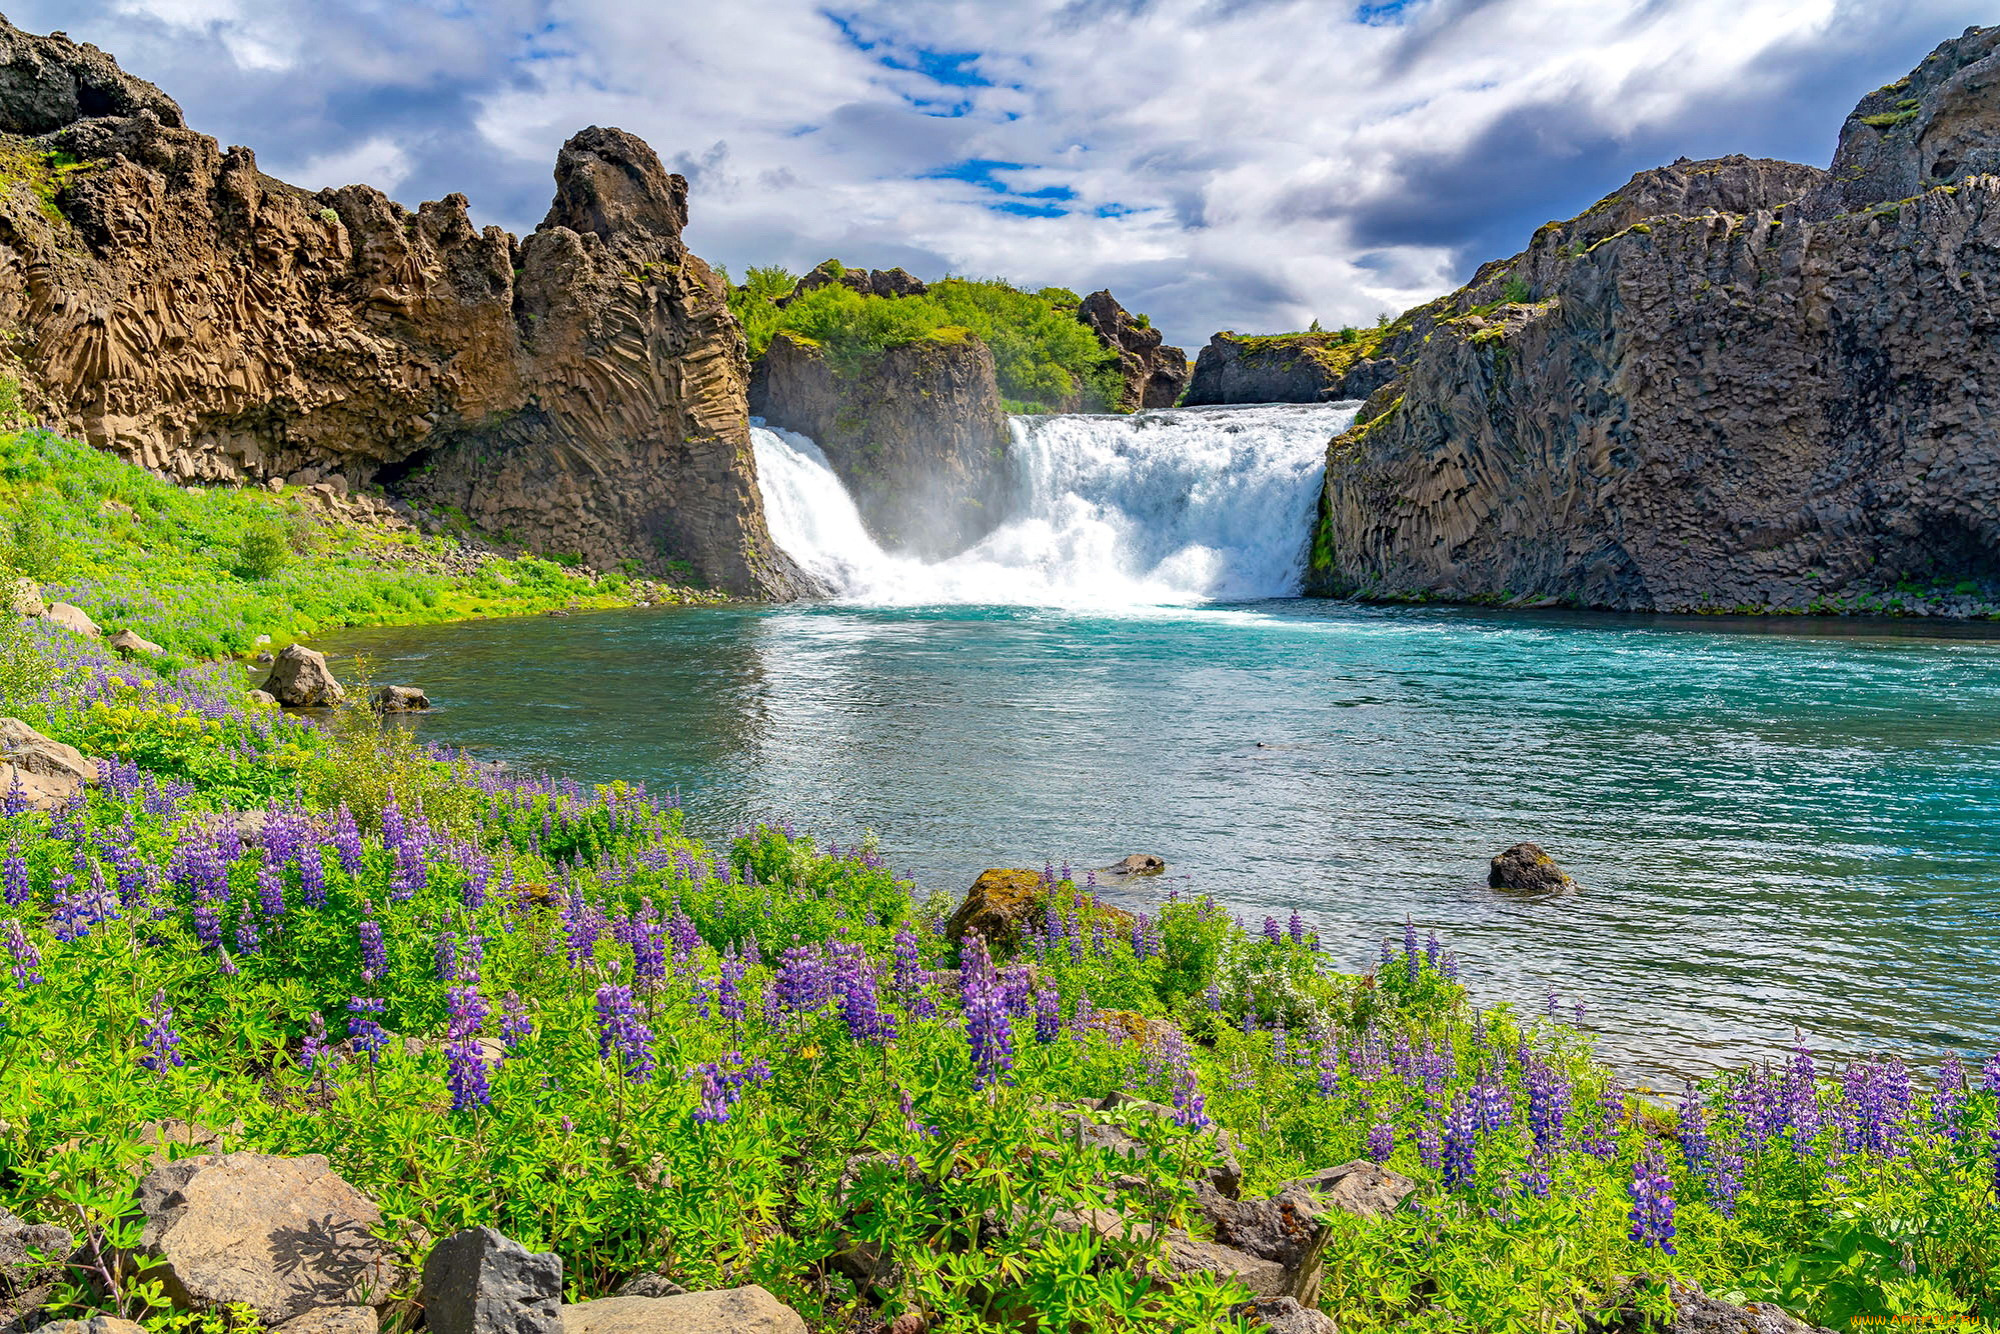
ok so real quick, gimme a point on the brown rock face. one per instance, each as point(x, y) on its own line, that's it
point(1154, 374)
point(916, 434)
point(282, 1235)
point(581, 390)
point(1702, 395)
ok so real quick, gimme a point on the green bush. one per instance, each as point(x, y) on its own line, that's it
point(34, 547)
point(263, 552)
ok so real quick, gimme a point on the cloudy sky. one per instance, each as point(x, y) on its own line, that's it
point(1223, 164)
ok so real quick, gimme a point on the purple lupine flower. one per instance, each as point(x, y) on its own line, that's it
point(374, 954)
point(465, 1058)
point(347, 840)
point(1535, 1178)
point(1430, 1152)
point(447, 956)
point(14, 876)
point(1190, 1112)
point(478, 875)
point(163, 1044)
point(987, 1030)
point(729, 991)
point(1433, 951)
point(1652, 1211)
point(1048, 1014)
point(412, 873)
point(804, 982)
point(1388, 955)
point(905, 974)
point(1948, 1101)
point(368, 1036)
point(1493, 1108)
point(1272, 932)
point(516, 1024)
point(910, 1122)
point(713, 1110)
point(854, 983)
point(1691, 1128)
point(26, 959)
point(1461, 1134)
point(248, 938)
point(1548, 1106)
point(313, 1051)
point(1329, 1068)
point(1213, 996)
point(582, 925)
point(1601, 1139)
point(1990, 1074)
point(681, 929)
point(1298, 928)
point(1412, 963)
point(1993, 1137)
point(621, 1038)
point(1381, 1141)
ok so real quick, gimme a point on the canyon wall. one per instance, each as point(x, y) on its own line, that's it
point(1735, 383)
point(580, 391)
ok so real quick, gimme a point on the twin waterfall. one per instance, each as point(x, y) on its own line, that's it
point(1174, 506)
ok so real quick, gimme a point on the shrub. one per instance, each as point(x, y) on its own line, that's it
point(264, 551)
point(34, 547)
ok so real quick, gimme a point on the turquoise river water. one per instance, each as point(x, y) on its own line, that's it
point(1774, 823)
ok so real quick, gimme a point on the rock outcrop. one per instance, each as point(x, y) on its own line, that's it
point(916, 433)
point(579, 390)
point(300, 679)
point(283, 1236)
point(1732, 384)
point(868, 282)
point(1290, 368)
point(1154, 374)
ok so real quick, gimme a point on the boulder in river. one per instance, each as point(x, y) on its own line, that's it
point(1139, 863)
point(1526, 866)
point(401, 699)
point(301, 680)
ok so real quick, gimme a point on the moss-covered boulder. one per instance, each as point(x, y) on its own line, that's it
point(1001, 901)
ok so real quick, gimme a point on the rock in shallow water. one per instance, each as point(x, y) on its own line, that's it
point(400, 699)
point(1526, 866)
point(302, 680)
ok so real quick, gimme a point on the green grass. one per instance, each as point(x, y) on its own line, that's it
point(204, 572)
point(1042, 356)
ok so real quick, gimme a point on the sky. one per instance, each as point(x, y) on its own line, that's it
point(1249, 165)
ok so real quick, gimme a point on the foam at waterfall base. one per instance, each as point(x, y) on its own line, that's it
point(1158, 508)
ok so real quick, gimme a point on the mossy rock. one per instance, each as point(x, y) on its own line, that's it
point(1000, 901)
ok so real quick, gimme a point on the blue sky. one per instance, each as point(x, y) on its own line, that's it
point(1239, 164)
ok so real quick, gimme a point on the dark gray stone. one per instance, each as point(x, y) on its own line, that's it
point(1283, 1315)
point(1526, 867)
point(480, 1282)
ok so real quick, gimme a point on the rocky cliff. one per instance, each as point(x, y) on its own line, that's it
point(580, 390)
point(1290, 368)
point(916, 432)
point(1153, 373)
point(1735, 383)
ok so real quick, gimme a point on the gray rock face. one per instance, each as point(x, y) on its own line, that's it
point(1284, 1315)
point(479, 1282)
point(400, 699)
point(1526, 867)
point(917, 435)
point(1154, 373)
point(1709, 393)
point(747, 1310)
point(49, 82)
point(300, 679)
point(1288, 368)
point(284, 1236)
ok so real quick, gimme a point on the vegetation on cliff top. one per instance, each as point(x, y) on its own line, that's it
point(205, 571)
point(1044, 358)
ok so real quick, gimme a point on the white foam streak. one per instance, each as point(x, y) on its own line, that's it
point(1169, 507)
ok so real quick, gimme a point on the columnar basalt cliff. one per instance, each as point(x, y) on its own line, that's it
point(1734, 383)
point(1290, 368)
point(581, 391)
point(917, 435)
point(1154, 373)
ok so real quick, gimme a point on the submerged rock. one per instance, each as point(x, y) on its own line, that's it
point(1139, 863)
point(400, 699)
point(300, 679)
point(1525, 866)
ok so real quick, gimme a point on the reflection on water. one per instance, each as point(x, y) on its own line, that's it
point(1774, 822)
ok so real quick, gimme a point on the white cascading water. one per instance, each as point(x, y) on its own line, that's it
point(1172, 506)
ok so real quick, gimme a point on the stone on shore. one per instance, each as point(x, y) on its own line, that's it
point(262, 697)
point(282, 1236)
point(746, 1310)
point(1000, 902)
point(480, 1282)
point(127, 641)
point(400, 699)
point(1525, 866)
point(301, 680)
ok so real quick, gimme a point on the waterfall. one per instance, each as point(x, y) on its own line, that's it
point(1172, 506)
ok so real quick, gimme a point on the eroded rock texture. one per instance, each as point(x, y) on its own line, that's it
point(1732, 383)
point(916, 433)
point(1154, 373)
point(580, 390)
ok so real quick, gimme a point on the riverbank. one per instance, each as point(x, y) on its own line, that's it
point(494, 999)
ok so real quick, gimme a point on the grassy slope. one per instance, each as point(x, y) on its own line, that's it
point(135, 551)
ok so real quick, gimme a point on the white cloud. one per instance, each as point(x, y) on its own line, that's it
point(379, 162)
point(1258, 163)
